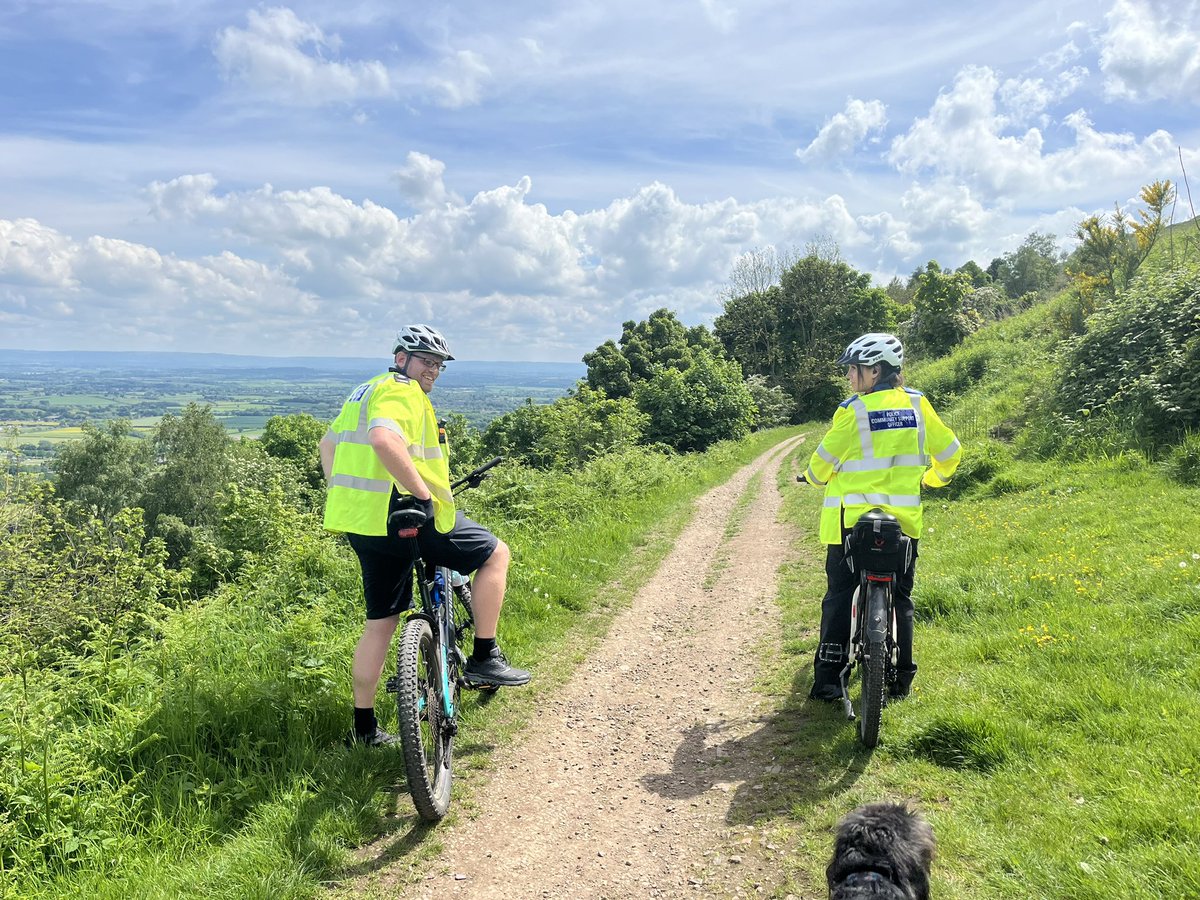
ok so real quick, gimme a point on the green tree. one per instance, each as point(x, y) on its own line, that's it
point(978, 276)
point(899, 291)
point(295, 438)
point(941, 316)
point(609, 370)
point(751, 332)
point(1110, 252)
point(774, 405)
point(1034, 266)
point(658, 341)
point(192, 452)
point(106, 471)
point(696, 407)
point(792, 334)
point(568, 432)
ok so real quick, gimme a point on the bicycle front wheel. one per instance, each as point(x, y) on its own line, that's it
point(425, 736)
point(871, 701)
point(874, 669)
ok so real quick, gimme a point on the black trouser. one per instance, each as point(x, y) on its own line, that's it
point(834, 650)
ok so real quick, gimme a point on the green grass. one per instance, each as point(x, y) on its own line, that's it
point(1051, 738)
point(206, 759)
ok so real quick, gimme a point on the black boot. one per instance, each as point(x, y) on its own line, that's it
point(901, 687)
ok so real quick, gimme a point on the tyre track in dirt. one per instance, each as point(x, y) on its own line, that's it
point(622, 786)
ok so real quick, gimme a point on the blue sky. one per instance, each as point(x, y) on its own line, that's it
point(303, 178)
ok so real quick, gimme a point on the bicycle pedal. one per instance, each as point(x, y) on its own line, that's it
point(391, 685)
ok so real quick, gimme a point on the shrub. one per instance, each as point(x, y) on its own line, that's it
point(981, 462)
point(1183, 465)
point(1137, 367)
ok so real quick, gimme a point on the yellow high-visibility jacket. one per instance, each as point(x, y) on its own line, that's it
point(359, 486)
point(880, 449)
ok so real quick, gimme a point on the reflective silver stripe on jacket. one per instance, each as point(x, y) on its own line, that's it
point(389, 424)
point(416, 451)
point(355, 482)
point(359, 434)
point(948, 452)
point(863, 419)
point(826, 455)
point(885, 462)
point(879, 500)
point(811, 476)
point(915, 399)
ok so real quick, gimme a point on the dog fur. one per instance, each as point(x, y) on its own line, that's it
point(882, 851)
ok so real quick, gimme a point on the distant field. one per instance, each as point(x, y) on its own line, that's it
point(37, 414)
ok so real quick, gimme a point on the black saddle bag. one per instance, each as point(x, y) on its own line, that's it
point(877, 544)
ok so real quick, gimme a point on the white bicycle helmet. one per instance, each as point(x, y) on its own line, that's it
point(874, 348)
point(421, 339)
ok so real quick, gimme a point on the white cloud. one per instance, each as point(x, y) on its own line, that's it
point(1151, 50)
point(269, 58)
point(102, 290)
point(461, 80)
point(1027, 99)
point(421, 183)
point(33, 255)
point(845, 131)
point(487, 265)
point(722, 15)
point(964, 138)
point(945, 213)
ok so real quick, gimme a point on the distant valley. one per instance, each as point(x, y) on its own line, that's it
point(45, 396)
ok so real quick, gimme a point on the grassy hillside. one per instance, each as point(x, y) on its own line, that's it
point(1052, 738)
point(203, 756)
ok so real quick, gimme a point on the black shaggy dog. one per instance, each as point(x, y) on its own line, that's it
point(882, 851)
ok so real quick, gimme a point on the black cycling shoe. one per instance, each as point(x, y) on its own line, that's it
point(494, 672)
point(379, 739)
point(826, 693)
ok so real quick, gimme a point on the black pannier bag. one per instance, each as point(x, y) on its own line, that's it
point(877, 544)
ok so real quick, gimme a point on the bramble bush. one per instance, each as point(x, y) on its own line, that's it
point(1136, 369)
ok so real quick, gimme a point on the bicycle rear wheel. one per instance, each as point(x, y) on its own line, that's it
point(426, 738)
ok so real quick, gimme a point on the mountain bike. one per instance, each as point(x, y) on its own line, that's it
point(429, 664)
point(879, 552)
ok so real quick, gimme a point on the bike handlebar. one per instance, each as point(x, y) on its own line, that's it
point(802, 479)
point(473, 479)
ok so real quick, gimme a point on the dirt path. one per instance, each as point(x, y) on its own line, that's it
point(624, 787)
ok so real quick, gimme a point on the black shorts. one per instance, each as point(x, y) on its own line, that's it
point(387, 561)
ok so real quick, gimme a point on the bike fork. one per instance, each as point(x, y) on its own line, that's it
point(844, 678)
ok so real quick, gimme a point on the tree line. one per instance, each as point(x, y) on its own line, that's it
point(199, 506)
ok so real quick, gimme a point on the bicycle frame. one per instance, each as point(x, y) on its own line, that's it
point(436, 608)
point(427, 700)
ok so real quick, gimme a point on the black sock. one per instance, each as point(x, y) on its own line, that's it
point(364, 721)
point(483, 648)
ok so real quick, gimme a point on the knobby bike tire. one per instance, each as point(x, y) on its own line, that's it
point(427, 745)
point(873, 682)
point(464, 612)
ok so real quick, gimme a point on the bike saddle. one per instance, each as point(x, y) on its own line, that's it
point(408, 518)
